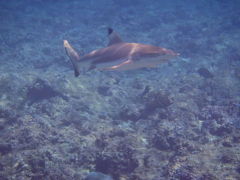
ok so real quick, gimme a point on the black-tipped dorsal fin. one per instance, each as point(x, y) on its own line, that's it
point(114, 38)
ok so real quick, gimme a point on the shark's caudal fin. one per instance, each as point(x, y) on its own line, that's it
point(114, 38)
point(73, 55)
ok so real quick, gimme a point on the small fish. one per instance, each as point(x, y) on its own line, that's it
point(119, 55)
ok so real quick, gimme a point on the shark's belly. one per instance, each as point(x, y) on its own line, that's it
point(108, 63)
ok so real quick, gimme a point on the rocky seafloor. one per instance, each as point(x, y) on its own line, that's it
point(179, 121)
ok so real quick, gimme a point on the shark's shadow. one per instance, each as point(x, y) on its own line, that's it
point(40, 90)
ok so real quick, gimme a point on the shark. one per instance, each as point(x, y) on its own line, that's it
point(118, 55)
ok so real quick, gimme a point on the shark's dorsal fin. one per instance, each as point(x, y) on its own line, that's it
point(114, 38)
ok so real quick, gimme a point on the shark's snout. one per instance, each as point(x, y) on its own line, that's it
point(175, 54)
point(170, 52)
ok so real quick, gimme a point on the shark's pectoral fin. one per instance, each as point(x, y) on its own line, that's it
point(120, 66)
point(114, 38)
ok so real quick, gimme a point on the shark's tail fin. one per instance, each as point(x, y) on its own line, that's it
point(73, 55)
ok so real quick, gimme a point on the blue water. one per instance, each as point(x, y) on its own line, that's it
point(180, 120)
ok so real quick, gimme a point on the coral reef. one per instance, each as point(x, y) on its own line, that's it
point(178, 121)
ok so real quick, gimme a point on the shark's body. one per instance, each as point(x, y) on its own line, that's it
point(119, 55)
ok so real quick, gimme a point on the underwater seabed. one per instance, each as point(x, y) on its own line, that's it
point(178, 121)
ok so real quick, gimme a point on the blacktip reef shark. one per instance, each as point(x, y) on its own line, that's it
point(119, 55)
